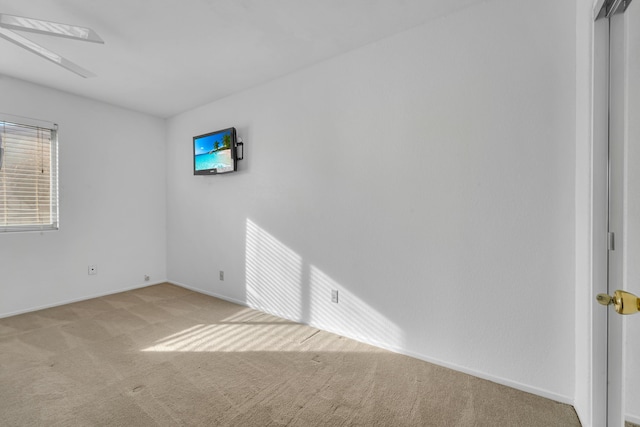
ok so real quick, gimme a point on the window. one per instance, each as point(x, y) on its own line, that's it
point(28, 175)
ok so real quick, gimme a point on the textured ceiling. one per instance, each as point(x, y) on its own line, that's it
point(163, 57)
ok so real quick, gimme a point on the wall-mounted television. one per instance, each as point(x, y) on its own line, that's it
point(215, 152)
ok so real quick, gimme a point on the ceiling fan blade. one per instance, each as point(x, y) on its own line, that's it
point(44, 52)
point(75, 32)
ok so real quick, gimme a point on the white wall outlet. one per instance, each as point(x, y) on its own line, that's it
point(334, 295)
point(221, 275)
point(146, 277)
point(92, 270)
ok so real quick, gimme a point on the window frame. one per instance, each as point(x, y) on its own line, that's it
point(54, 203)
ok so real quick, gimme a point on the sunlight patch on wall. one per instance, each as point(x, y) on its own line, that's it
point(279, 281)
point(351, 316)
point(273, 274)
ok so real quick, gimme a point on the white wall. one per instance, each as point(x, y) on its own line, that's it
point(428, 177)
point(112, 203)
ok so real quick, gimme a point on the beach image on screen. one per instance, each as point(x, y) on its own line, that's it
point(214, 152)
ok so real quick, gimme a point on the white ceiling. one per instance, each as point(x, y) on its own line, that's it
point(163, 57)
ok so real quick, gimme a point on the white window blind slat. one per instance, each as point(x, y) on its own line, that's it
point(28, 176)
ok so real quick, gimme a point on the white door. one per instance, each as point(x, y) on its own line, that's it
point(630, 23)
point(623, 363)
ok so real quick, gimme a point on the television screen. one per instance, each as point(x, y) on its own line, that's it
point(215, 152)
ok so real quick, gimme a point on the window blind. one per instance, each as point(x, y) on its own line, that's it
point(28, 177)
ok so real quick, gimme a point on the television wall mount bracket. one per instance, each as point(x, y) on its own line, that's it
point(238, 145)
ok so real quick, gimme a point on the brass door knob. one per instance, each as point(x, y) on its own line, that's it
point(623, 302)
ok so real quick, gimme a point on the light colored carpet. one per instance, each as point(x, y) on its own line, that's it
point(166, 356)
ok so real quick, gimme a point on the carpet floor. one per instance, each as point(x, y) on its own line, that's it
point(167, 356)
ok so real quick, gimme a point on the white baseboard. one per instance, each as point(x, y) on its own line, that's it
point(503, 381)
point(83, 298)
point(479, 374)
point(211, 294)
point(498, 380)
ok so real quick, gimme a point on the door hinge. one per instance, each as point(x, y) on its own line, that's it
point(611, 241)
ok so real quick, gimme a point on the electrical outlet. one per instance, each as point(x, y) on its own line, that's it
point(334, 295)
point(146, 277)
point(92, 270)
point(221, 275)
